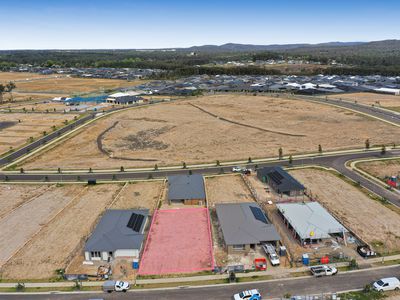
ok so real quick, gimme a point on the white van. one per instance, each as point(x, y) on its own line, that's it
point(386, 284)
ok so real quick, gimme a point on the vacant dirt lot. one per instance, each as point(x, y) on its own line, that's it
point(381, 168)
point(227, 189)
point(12, 196)
point(27, 125)
point(58, 241)
point(140, 194)
point(171, 133)
point(383, 100)
point(373, 222)
point(18, 226)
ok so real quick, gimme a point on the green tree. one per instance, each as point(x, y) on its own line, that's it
point(155, 167)
point(290, 159)
point(122, 169)
point(319, 149)
point(249, 160)
point(184, 165)
point(218, 163)
point(280, 153)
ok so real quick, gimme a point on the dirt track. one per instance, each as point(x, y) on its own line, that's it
point(369, 219)
point(193, 136)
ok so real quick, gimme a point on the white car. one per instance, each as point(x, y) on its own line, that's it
point(270, 252)
point(248, 295)
point(236, 169)
point(387, 284)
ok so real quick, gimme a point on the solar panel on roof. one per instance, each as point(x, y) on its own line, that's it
point(135, 222)
point(276, 177)
point(138, 223)
point(258, 214)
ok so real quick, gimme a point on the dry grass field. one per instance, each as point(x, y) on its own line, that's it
point(58, 241)
point(71, 85)
point(20, 76)
point(387, 101)
point(170, 133)
point(226, 189)
point(381, 168)
point(15, 134)
point(369, 219)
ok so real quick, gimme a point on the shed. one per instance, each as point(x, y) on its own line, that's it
point(281, 181)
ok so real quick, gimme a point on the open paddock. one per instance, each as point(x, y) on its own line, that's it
point(26, 125)
point(210, 128)
point(383, 100)
point(367, 218)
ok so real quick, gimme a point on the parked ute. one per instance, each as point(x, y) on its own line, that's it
point(271, 253)
point(117, 286)
point(248, 295)
point(323, 270)
point(386, 284)
point(365, 251)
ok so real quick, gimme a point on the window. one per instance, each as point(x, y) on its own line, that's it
point(238, 247)
point(95, 254)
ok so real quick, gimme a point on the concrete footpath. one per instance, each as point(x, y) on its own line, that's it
point(275, 273)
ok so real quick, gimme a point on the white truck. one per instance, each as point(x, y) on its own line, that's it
point(117, 286)
point(324, 270)
point(271, 253)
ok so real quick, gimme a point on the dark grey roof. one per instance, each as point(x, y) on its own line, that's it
point(282, 179)
point(240, 226)
point(112, 233)
point(186, 187)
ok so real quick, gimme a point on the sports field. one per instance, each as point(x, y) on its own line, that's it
point(179, 241)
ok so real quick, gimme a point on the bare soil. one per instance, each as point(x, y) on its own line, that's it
point(367, 218)
point(12, 196)
point(220, 127)
point(26, 125)
point(381, 168)
point(20, 225)
point(60, 240)
point(227, 189)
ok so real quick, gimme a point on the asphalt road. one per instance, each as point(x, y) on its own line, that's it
point(335, 161)
point(271, 289)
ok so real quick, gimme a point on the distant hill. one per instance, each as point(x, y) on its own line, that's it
point(232, 47)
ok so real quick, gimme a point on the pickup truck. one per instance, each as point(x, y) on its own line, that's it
point(323, 270)
point(271, 253)
point(117, 286)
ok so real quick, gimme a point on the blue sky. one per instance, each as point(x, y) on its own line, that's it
point(85, 24)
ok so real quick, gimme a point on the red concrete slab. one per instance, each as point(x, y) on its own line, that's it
point(179, 241)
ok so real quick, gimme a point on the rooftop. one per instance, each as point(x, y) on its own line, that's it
point(245, 223)
point(282, 179)
point(118, 229)
point(185, 187)
point(310, 220)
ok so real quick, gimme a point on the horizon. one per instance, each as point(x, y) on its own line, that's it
point(100, 25)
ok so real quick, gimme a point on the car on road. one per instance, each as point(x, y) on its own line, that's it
point(248, 295)
point(386, 284)
point(236, 169)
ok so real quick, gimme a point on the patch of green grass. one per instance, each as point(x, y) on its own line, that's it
point(370, 295)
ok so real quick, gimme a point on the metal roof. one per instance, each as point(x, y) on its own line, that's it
point(112, 232)
point(240, 225)
point(282, 179)
point(185, 187)
point(310, 220)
